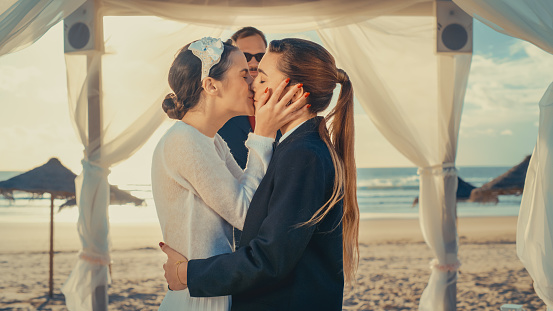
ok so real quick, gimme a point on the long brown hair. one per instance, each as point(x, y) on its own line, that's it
point(309, 63)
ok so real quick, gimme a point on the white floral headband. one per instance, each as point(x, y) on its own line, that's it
point(209, 51)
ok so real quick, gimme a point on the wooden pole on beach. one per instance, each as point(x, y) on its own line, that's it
point(51, 280)
point(100, 295)
point(452, 76)
point(449, 230)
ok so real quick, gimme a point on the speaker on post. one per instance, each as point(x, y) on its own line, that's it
point(453, 28)
point(79, 29)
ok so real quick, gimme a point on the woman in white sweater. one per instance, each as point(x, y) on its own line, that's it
point(199, 190)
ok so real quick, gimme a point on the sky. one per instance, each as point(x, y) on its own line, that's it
point(499, 123)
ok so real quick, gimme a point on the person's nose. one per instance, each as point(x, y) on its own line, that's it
point(254, 84)
point(253, 62)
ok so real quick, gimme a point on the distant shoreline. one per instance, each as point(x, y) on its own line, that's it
point(34, 237)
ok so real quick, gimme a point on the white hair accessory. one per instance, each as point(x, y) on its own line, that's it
point(209, 51)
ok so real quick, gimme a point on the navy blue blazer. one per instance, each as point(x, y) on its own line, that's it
point(234, 133)
point(280, 266)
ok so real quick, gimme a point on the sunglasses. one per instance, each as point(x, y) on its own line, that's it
point(257, 56)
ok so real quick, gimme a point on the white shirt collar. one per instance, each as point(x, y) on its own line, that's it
point(290, 132)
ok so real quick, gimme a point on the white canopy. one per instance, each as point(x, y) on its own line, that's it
point(531, 21)
point(413, 96)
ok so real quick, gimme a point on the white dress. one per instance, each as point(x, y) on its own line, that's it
point(200, 193)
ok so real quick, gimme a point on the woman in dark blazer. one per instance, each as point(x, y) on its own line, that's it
point(300, 238)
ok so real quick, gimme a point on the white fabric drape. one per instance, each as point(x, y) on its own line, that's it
point(270, 15)
point(530, 20)
point(22, 22)
point(396, 75)
point(535, 220)
point(133, 85)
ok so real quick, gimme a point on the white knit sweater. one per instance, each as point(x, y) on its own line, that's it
point(200, 192)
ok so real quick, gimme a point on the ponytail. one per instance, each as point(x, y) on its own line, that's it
point(311, 64)
point(340, 142)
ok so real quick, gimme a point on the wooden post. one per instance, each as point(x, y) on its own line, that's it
point(100, 295)
point(449, 229)
point(51, 280)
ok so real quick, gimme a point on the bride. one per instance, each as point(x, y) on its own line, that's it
point(199, 190)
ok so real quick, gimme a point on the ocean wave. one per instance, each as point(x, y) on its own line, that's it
point(404, 182)
point(409, 182)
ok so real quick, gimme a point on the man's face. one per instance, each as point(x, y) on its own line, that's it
point(252, 45)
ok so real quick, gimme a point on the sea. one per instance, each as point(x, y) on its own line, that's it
point(383, 193)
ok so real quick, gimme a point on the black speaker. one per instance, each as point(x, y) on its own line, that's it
point(453, 28)
point(79, 30)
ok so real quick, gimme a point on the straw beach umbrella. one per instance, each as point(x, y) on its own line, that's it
point(117, 197)
point(52, 178)
point(59, 182)
point(511, 182)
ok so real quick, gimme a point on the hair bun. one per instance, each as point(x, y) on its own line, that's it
point(341, 76)
point(172, 107)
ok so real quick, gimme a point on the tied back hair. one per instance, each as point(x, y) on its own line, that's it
point(311, 64)
point(185, 80)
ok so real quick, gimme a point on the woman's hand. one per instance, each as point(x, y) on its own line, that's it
point(176, 268)
point(271, 113)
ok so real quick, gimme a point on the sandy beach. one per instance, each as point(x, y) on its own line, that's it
point(393, 271)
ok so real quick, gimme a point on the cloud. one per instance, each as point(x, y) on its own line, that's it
point(506, 132)
point(478, 132)
point(507, 90)
point(12, 77)
point(517, 49)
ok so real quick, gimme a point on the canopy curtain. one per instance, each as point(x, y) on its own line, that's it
point(130, 79)
point(22, 22)
point(530, 20)
point(535, 219)
point(277, 16)
point(397, 86)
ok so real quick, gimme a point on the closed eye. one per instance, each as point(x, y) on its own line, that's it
point(245, 72)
